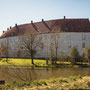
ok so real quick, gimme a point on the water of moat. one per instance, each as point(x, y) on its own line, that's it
point(16, 74)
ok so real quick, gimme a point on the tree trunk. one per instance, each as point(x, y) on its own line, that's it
point(32, 61)
point(56, 60)
point(52, 61)
point(7, 59)
point(56, 55)
point(73, 61)
point(89, 60)
point(46, 61)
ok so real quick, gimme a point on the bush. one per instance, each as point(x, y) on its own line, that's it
point(66, 59)
point(14, 84)
point(44, 82)
point(74, 55)
point(86, 53)
point(37, 83)
point(63, 81)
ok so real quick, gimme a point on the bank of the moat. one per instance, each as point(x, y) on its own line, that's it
point(75, 82)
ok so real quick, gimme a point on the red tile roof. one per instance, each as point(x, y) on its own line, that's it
point(59, 25)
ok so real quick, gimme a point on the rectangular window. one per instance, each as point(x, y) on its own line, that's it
point(83, 37)
point(76, 46)
point(69, 46)
point(10, 40)
point(83, 45)
point(68, 37)
point(40, 38)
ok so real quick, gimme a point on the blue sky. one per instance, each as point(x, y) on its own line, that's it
point(23, 11)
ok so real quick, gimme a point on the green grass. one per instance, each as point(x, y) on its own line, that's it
point(13, 61)
point(38, 62)
point(27, 62)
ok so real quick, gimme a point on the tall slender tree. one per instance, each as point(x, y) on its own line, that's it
point(56, 40)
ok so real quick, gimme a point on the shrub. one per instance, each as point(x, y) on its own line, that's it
point(66, 59)
point(63, 81)
point(86, 53)
point(74, 55)
point(37, 83)
point(44, 82)
point(62, 56)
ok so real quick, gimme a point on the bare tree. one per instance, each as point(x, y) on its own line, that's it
point(18, 53)
point(29, 45)
point(56, 40)
point(52, 54)
point(4, 50)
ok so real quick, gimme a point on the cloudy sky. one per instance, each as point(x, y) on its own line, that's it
point(23, 11)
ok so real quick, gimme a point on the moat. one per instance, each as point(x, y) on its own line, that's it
point(13, 74)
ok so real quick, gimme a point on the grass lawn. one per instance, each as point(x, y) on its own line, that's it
point(38, 62)
point(27, 62)
point(14, 61)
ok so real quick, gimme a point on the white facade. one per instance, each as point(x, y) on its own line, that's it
point(63, 41)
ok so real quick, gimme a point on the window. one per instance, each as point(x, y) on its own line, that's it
point(68, 37)
point(83, 37)
point(69, 46)
point(11, 48)
point(19, 39)
point(10, 40)
point(40, 38)
point(83, 45)
point(14, 40)
point(76, 46)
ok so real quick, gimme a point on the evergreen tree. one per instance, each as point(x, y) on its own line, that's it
point(74, 55)
point(86, 53)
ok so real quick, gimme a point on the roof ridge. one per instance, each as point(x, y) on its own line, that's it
point(51, 25)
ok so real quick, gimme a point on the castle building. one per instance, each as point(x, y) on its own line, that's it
point(61, 33)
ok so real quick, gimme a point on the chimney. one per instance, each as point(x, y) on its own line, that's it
point(42, 20)
point(7, 28)
point(3, 31)
point(17, 28)
point(10, 27)
point(64, 17)
point(31, 21)
point(16, 25)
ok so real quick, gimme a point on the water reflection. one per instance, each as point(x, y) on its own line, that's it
point(27, 74)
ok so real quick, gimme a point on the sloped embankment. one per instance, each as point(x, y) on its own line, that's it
point(73, 82)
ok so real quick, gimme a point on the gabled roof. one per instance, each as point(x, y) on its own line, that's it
point(59, 25)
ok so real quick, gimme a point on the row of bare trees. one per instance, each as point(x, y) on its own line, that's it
point(28, 46)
